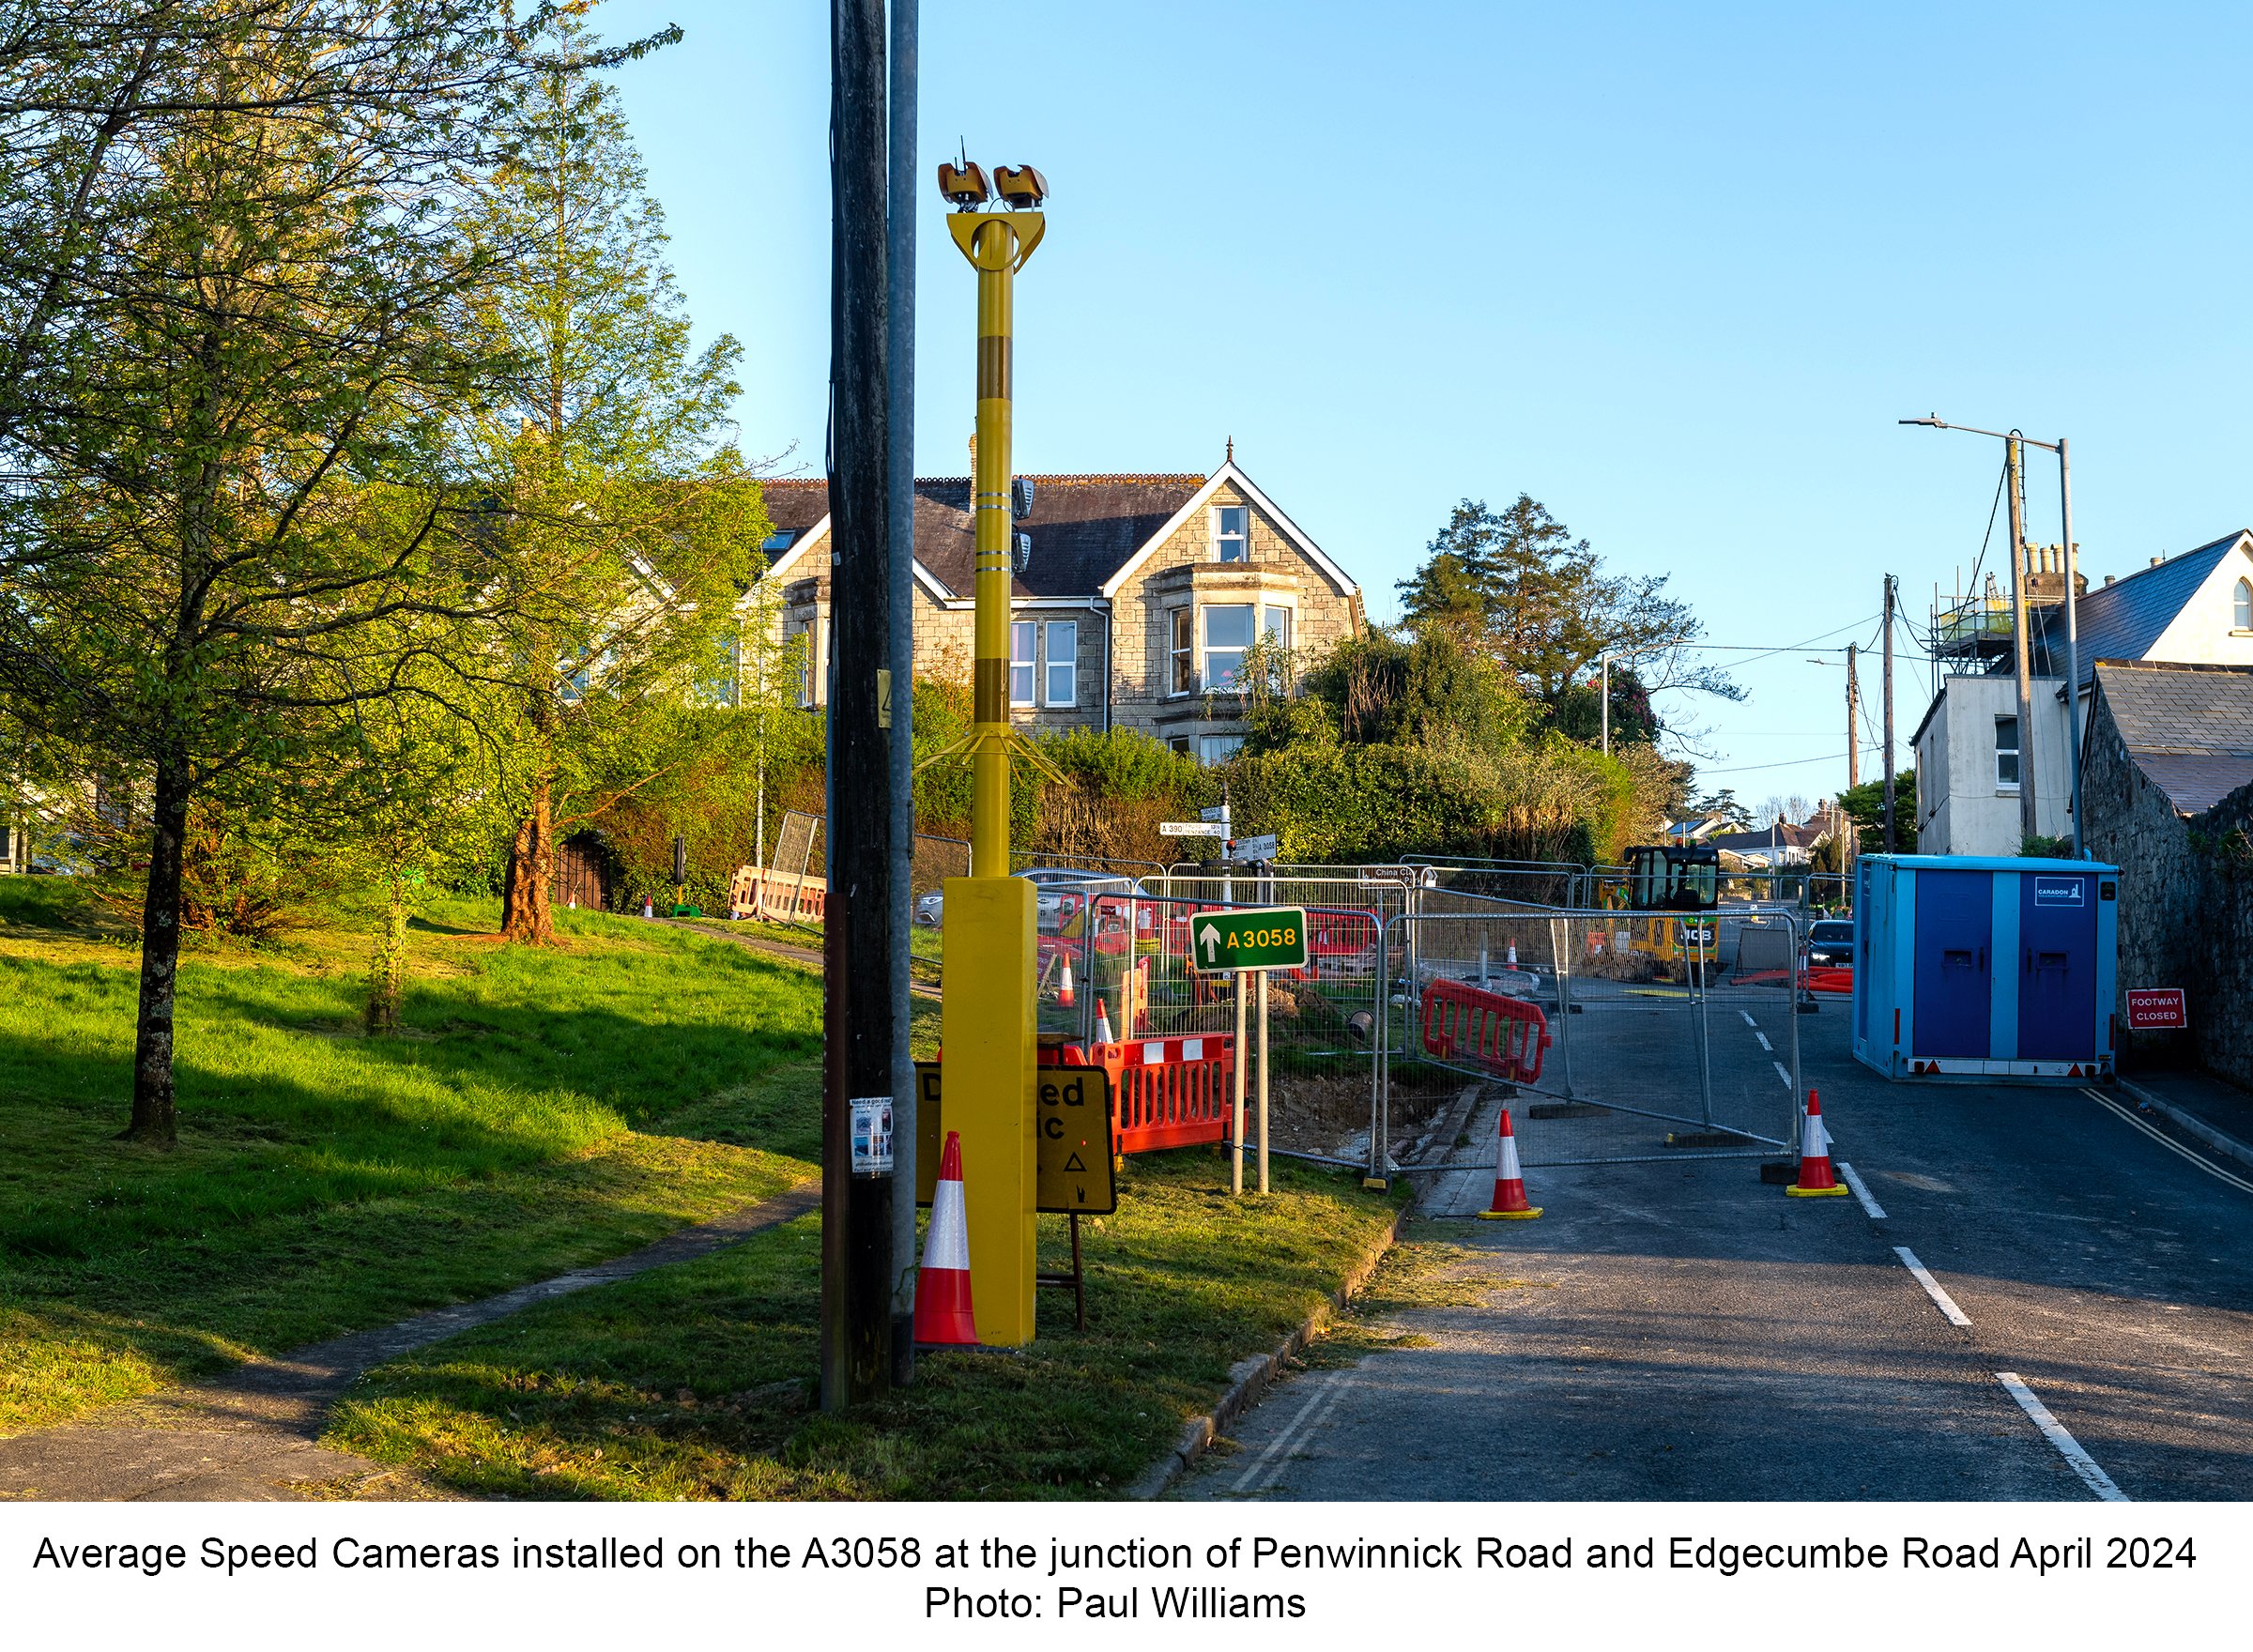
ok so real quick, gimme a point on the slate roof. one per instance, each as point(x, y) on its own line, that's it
point(2189, 728)
point(1754, 843)
point(2124, 620)
point(1083, 527)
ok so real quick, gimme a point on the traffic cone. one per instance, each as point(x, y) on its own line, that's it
point(1510, 1182)
point(1065, 996)
point(1511, 962)
point(942, 1315)
point(1102, 1021)
point(1815, 1179)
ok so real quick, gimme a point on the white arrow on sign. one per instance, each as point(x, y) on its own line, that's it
point(1211, 937)
point(1191, 828)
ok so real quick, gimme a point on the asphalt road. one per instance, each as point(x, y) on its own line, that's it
point(1679, 1330)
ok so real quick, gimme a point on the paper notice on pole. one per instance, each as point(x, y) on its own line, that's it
point(872, 1135)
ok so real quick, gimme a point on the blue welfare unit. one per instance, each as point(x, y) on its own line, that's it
point(1981, 968)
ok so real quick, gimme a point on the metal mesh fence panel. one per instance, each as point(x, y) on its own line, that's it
point(1661, 1036)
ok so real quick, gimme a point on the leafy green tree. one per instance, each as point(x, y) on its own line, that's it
point(1865, 805)
point(1516, 585)
point(631, 511)
point(234, 300)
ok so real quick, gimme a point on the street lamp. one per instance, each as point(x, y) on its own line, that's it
point(2073, 638)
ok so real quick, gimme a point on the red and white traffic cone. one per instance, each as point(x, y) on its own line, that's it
point(1064, 995)
point(1511, 961)
point(1102, 1021)
point(1510, 1182)
point(942, 1315)
point(1815, 1179)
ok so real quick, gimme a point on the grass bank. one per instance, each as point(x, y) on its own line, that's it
point(540, 1111)
point(699, 1381)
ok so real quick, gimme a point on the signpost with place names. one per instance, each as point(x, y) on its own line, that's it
point(1253, 850)
point(1192, 828)
point(1272, 938)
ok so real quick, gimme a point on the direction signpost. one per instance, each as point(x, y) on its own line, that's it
point(1270, 938)
point(1192, 828)
point(1249, 943)
point(1253, 850)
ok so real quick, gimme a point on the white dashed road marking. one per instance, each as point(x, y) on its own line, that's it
point(1875, 1210)
point(1764, 1043)
point(1940, 1299)
point(1748, 1019)
point(2054, 1432)
point(1782, 1074)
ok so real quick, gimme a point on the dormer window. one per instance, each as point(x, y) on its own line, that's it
point(2241, 607)
point(1231, 534)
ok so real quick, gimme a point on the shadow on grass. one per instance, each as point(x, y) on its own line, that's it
point(697, 1382)
point(323, 1184)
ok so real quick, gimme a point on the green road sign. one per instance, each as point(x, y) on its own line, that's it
point(1274, 939)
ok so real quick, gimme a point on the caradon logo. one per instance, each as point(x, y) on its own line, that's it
point(2060, 891)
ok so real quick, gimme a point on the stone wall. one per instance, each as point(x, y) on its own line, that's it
point(2185, 903)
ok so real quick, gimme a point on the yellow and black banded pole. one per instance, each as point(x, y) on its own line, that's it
point(986, 1022)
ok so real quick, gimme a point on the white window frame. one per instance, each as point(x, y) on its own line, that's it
point(2017, 752)
point(1204, 652)
point(1222, 539)
point(1068, 644)
point(1204, 748)
point(2241, 607)
point(1181, 658)
point(1029, 661)
point(809, 666)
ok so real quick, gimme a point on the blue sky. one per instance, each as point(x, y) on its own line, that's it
point(1674, 271)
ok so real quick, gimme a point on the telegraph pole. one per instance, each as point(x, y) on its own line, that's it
point(2021, 645)
point(899, 351)
point(2073, 645)
point(1889, 713)
point(857, 1017)
point(1853, 739)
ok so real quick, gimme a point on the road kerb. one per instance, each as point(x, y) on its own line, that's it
point(1248, 1378)
point(2191, 1125)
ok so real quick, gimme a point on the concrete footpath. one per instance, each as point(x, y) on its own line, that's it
point(2077, 1323)
point(253, 1436)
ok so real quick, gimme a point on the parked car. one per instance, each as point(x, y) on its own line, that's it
point(1055, 900)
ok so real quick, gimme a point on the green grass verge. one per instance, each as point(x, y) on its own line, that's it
point(698, 1381)
point(541, 1110)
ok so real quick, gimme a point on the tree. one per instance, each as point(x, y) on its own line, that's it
point(1517, 585)
point(1722, 805)
point(229, 388)
point(632, 514)
point(1865, 805)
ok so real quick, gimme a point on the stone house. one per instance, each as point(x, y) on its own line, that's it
point(1140, 599)
point(2167, 782)
point(1972, 757)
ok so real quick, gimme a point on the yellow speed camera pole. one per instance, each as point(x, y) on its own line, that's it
point(987, 1024)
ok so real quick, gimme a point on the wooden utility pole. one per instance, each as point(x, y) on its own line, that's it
point(1853, 736)
point(1889, 713)
point(2022, 644)
point(857, 1011)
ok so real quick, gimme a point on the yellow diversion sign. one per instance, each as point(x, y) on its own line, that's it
point(1071, 1139)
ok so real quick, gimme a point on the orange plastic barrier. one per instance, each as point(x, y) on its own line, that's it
point(1172, 1091)
point(1504, 1036)
point(1830, 980)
